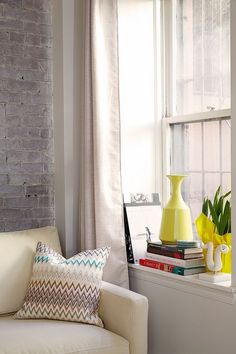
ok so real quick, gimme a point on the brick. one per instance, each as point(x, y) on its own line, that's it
point(9, 97)
point(13, 132)
point(47, 179)
point(36, 121)
point(36, 28)
point(46, 222)
point(21, 202)
point(2, 111)
point(46, 133)
point(13, 121)
point(24, 179)
point(33, 39)
point(36, 190)
point(47, 157)
point(33, 167)
point(17, 37)
point(2, 157)
point(46, 202)
point(14, 167)
point(7, 73)
point(22, 62)
point(38, 52)
point(33, 75)
point(11, 49)
point(49, 168)
point(2, 226)
point(45, 65)
point(30, 112)
point(3, 144)
point(7, 189)
point(37, 110)
point(21, 225)
point(42, 5)
point(42, 98)
point(3, 168)
point(27, 15)
point(35, 144)
point(4, 179)
point(18, 85)
point(4, 36)
point(14, 109)
point(24, 156)
point(11, 213)
point(46, 41)
point(12, 3)
point(12, 144)
point(34, 132)
point(2, 132)
point(40, 213)
point(11, 24)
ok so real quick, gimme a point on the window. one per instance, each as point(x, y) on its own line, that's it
point(175, 96)
point(200, 97)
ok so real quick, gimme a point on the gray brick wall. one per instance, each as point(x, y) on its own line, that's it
point(26, 134)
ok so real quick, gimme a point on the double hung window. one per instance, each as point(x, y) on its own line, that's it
point(175, 96)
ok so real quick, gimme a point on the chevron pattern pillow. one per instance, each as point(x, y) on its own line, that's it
point(65, 289)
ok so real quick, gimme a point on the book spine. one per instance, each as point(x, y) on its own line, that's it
point(161, 266)
point(185, 263)
point(164, 252)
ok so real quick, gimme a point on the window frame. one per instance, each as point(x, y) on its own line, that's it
point(167, 50)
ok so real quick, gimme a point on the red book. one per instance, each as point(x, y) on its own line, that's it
point(171, 268)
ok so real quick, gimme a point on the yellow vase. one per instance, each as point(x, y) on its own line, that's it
point(176, 221)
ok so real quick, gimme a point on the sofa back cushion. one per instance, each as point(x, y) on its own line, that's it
point(17, 250)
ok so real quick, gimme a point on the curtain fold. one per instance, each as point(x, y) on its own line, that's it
point(101, 203)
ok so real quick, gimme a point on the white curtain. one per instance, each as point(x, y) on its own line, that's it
point(101, 210)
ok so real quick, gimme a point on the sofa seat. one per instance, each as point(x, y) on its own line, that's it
point(59, 337)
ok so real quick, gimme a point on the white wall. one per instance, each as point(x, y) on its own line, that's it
point(183, 323)
point(66, 62)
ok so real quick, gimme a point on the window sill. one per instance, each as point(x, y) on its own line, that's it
point(222, 292)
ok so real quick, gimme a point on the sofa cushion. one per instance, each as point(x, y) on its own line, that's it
point(57, 337)
point(65, 289)
point(17, 250)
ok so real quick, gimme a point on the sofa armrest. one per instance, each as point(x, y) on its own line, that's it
point(125, 313)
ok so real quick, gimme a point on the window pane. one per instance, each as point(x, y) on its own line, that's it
point(202, 65)
point(212, 182)
point(198, 150)
point(226, 157)
point(211, 146)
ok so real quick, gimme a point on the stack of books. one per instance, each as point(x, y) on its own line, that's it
point(183, 258)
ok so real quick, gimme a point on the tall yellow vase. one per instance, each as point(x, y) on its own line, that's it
point(176, 221)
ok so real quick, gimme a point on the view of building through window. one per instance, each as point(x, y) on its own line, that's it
point(201, 149)
point(202, 56)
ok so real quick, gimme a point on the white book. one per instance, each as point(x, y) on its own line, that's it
point(185, 263)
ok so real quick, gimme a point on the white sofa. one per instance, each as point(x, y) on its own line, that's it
point(124, 313)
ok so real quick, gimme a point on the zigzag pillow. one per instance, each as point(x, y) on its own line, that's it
point(65, 289)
